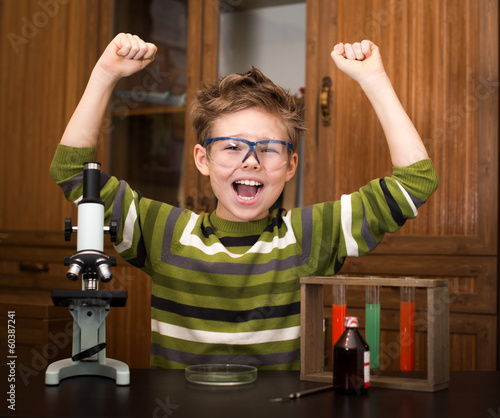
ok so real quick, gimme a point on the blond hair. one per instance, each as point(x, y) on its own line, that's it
point(237, 92)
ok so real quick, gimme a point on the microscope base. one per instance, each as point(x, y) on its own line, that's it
point(62, 369)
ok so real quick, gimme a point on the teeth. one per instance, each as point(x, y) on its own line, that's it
point(249, 183)
point(249, 197)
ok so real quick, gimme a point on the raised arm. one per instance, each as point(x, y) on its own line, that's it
point(363, 63)
point(125, 55)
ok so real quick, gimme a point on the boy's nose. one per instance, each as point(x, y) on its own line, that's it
point(251, 161)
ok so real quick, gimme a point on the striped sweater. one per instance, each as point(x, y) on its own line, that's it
point(228, 292)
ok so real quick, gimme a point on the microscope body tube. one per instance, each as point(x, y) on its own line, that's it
point(90, 227)
point(91, 211)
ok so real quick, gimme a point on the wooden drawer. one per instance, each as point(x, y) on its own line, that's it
point(43, 332)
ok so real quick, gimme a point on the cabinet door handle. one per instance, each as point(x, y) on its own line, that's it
point(324, 100)
point(33, 267)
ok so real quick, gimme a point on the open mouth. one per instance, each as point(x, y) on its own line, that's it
point(247, 189)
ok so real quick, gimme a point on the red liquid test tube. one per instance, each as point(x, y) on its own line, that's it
point(339, 311)
point(407, 329)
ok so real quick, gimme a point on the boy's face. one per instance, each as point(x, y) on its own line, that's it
point(238, 202)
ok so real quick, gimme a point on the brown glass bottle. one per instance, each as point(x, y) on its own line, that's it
point(351, 361)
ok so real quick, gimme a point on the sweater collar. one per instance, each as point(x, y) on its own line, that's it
point(244, 228)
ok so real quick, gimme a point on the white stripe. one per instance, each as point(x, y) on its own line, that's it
point(234, 338)
point(346, 221)
point(128, 228)
point(408, 198)
point(189, 238)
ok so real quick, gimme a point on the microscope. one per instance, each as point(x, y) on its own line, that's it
point(89, 306)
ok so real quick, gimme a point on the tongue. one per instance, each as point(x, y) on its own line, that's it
point(245, 191)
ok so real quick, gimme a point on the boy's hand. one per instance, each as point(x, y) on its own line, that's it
point(361, 61)
point(125, 55)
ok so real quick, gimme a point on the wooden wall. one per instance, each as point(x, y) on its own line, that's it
point(47, 52)
point(442, 57)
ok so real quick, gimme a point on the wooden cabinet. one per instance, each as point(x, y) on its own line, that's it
point(442, 58)
point(47, 54)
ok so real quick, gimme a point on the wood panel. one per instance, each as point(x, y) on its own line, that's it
point(203, 16)
point(442, 57)
point(128, 329)
point(473, 280)
point(31, 266)
point(42, 332)
point(46, 55)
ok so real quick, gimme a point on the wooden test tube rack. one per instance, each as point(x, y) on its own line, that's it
point(438, 353)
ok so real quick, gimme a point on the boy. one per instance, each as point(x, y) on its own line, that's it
point(226, 284)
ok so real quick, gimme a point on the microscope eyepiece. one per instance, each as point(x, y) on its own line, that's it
point(91, 183)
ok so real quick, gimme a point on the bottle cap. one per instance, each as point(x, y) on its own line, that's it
point(351, 322)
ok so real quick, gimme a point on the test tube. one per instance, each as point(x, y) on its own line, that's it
point(339, 311)
point(407, 329)
point(372, 327)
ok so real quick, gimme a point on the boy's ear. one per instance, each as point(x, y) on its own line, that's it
point(201, 159)
point(292, 166)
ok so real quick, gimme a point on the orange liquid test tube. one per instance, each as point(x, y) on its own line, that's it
point(339, 311)
point(407, 329)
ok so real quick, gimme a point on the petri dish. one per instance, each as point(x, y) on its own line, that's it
point(221, 374)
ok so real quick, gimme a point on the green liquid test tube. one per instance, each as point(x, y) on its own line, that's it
point(372, 326)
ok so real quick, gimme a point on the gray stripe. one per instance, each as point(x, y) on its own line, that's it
point(250, 360)
point(366, 232)
point(236, 268)
point(117, 211)
point(416, 201)
point(75, 181)
point(72, 183)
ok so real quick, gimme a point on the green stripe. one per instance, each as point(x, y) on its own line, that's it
point(165, 274)
point(229, 291)
point(241, 302)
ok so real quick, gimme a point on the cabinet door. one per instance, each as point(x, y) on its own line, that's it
point(47, 52)
point(442, 57)
point(203, 33)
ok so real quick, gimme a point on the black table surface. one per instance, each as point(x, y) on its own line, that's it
point(165, 393)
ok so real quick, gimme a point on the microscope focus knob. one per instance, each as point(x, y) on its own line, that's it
point(113, 230)
point(68, 229)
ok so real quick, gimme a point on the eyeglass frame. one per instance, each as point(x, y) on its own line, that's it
point(251, 146)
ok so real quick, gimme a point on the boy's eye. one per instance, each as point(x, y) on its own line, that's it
point(231, 147)
point(270, 149)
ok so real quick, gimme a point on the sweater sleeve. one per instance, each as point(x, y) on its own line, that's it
point(384, 205)
point(357, 223)
point(121, 203)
